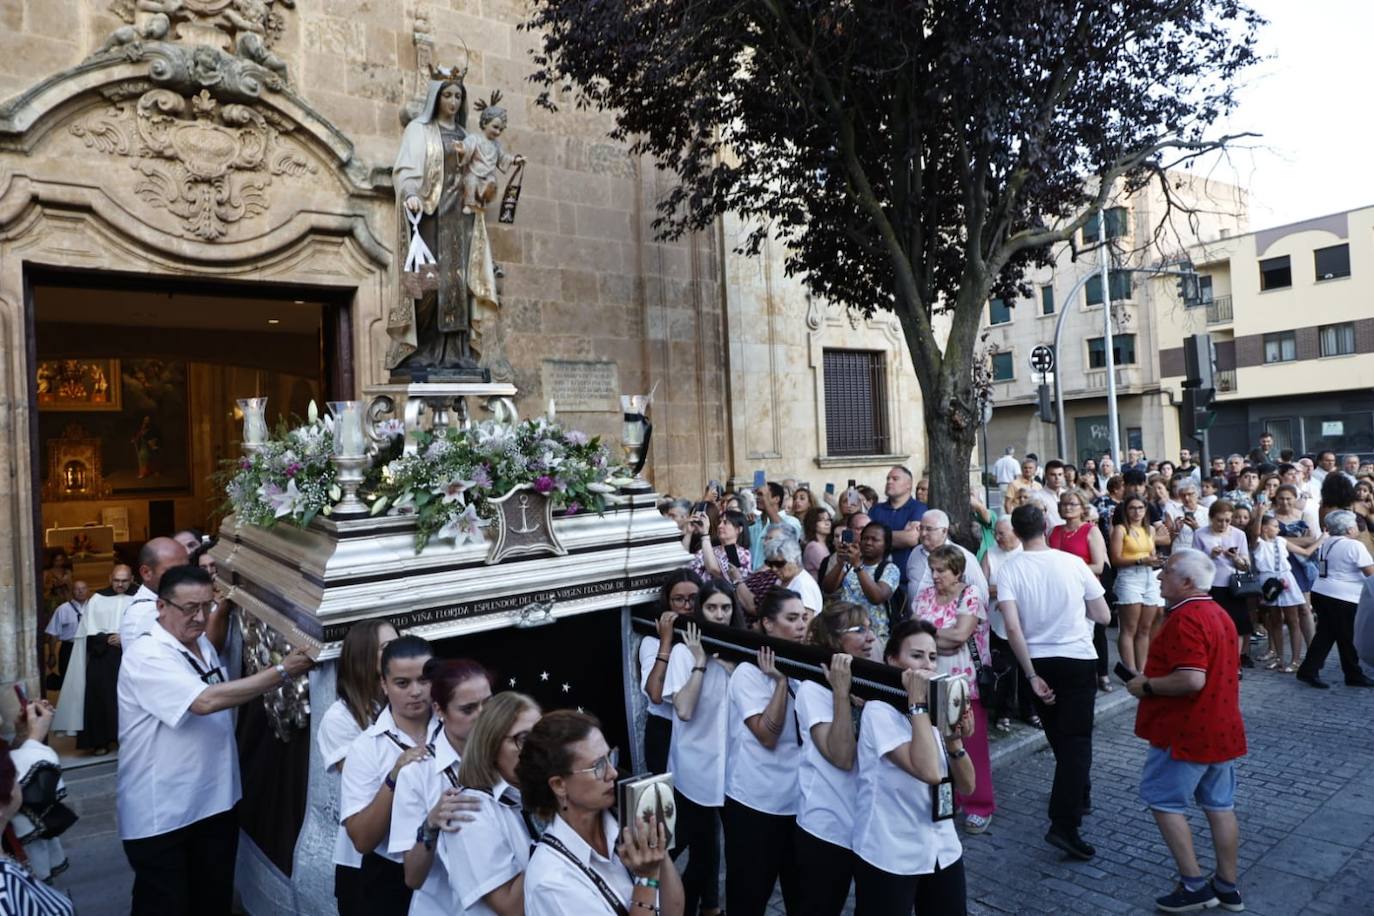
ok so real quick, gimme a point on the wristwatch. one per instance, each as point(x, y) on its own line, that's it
point(918, 709)
point(959, 754)
point(427, 836)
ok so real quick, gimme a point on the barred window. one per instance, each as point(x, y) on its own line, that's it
point(856, 403)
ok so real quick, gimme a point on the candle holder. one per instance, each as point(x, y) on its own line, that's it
point(254, 412)
point(350, 455)
point(635, 434)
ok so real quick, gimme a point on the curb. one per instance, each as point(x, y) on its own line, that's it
point(1025, 741)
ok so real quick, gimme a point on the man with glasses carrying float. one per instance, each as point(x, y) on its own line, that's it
point(178, 762)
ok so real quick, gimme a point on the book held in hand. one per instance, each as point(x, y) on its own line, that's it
point(640, 798)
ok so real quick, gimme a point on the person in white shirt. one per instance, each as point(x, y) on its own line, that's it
point(24, 731)
point(359, 686)
point(583, 865)
point(403, 734)
point(156, 557)
point(698, 687)
point(828, 777)
point(1343, 565)
point(908, 857)
point(1272, 562)
point(761, 788)
point(676, 598)
point(62, 627)
point(1187, 516)
point(934, 531)
point(486, 860)
point(1039, 592)
point(178, 778)
point(1005, 469)
point(426, 801)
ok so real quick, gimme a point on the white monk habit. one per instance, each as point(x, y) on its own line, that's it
point(103, 614)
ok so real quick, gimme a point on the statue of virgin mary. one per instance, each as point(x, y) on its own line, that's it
point(432, 336)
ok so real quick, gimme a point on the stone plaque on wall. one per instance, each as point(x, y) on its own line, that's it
point(582, 386)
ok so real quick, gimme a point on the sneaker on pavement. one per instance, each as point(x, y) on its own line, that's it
point(1183, 900)
point(976, 823)
point(1228, 900)
point(1070, 842)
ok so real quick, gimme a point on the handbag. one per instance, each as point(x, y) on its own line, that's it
point(42, 803)
point(1245, 584)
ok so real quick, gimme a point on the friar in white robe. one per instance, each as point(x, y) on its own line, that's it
point(102, 617)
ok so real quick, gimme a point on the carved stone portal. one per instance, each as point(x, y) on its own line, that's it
point(207, 163)
point(246, 28)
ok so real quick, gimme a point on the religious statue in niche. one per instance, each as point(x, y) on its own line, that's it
point(445, 177)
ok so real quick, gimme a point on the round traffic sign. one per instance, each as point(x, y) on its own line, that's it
point(1042, 358)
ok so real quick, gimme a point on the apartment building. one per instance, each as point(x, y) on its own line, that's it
point(1291, 314)
point(1144, 231)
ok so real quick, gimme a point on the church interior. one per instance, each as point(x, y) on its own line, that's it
point(136, 389)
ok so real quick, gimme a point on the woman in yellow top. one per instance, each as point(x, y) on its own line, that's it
point(1138, 601)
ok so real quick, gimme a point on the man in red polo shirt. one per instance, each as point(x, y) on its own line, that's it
point(1190, 713)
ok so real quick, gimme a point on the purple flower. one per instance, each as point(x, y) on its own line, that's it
point(481, 477)
point(574, 507)
point(577, 437)
point(293, 468)
point(544, 484)
point(245, 463)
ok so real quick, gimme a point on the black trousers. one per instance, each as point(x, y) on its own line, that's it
point(698, 832)
point(658, 736)
point(384, 891)
point(1069, 730)
point(759, 853)
point(1014, 691)
point(1100, 645)
point(348, 890)
point(1335, 625)
point(187, 870)
point(64, 658)
point(826, 871)
point(881, 893)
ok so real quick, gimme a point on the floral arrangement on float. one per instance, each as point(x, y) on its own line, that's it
point(451, 483)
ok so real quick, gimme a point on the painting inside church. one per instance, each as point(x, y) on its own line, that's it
point(144, 442)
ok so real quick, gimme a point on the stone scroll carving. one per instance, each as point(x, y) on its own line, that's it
point(208, 163)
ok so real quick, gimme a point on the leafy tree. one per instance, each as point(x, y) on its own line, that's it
point(915, 155)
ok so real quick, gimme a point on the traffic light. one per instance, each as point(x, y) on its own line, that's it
point(1197, 361)
point(1190, 289)
point(1197, 415)
point(1044, 404)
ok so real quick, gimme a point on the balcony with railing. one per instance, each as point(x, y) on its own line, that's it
point(1219, 310)
point(1225, 380)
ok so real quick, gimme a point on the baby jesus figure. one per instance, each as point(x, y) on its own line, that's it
point(481, 156)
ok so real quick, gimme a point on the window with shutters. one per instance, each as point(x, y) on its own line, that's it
point(1332, 262)
point(1276, 273)
point(1123, 351)
point(856, 403)
point(1120, 281)
point(1337, 339)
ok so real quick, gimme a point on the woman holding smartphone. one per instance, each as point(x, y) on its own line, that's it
point(727, 553)
point(765, 751)
point(906, 858)
point(1229, 549)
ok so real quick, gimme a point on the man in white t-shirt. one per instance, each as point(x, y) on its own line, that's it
point(178, 776)
point(1039, 591)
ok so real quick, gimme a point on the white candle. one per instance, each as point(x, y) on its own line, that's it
point(349, 441)
point(254, 420)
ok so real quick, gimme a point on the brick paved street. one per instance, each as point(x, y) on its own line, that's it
point(1305, 802)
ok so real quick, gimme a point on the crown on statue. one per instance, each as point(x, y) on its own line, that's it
point(441, 73)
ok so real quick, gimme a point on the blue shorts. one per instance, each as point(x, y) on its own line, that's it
point(1167, 784)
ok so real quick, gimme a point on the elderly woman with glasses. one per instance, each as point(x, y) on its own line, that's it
point(583, 865)
point(783, 558)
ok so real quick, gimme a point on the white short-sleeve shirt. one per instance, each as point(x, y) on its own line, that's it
point(555, 886)
point(893, 829)
point(697, 754)
point(811, 598)
point(140, 616)
point(175, 767)
point(648, 652)
point(1051, 589)
point(1340, 562)
point(370, 758)
point(828, 793)
point(759, 778)
point(490, 850)
point(65, 620)
point(336, 733)
point(418, 787)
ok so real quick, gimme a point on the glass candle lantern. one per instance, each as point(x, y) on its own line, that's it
point(350, 441)
point(254, 420)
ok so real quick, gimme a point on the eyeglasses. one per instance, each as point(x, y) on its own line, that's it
point(681, 599)
point(931, 529)
point(775, 564)
point(191, 610)
point(518, 739)
point(603, 766)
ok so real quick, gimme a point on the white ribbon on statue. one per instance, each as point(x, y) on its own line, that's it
point(419, 254)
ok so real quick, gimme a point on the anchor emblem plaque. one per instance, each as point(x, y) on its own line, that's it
point(524, 524)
